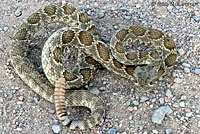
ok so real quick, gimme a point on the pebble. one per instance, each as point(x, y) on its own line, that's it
point(186, 65)
point(182, 104)
point(178, 80)
point(19, 129)
point(16, 88)
point(57, 128)
point(181, 52)
point(128, 17)
point(21, 98)
point(196, 18)
point(169, 8)
point(183, 97)
point(96, 4)
point(161, 100)
point(130, 108)
point(144, 98)
point(175, 105)
point(52, 111)
point(155, 131)
point(101, 15)
point(18, 12)
point(155, 91)
point(112, 131)
point(168, 131)
point(169, 93)
point(186, 70)
point(94, 90)
point(5, 29)
point(128, 103)
point(124, 9)
point(159, 114)
point(189, 114)
point(115, 27)
point(197, 71)
point(136, 102)
point(102, 88)
point(19, 102)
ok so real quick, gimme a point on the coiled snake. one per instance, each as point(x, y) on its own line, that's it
point(144, 67)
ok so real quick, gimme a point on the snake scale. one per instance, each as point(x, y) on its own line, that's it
point(144, 67)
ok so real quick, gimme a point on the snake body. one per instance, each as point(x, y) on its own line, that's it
point(144, 67)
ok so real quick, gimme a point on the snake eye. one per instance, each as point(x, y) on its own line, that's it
point(151, 83)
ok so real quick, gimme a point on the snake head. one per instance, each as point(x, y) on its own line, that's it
point(146, 77)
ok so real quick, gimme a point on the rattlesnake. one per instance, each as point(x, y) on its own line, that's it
point(144, 67)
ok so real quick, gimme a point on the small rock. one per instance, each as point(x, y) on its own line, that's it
point(182, 104)
point(159, 114)
point(102, 88)
point(101, 15)
point(52, 111)
point(19, 129)
point(168, 131)
point(5, 28)
point(197, 71)
point(18, 12)
point(189, 114)
point(183, 97)
point(19, 102)
point(162, 101)
point(155, 131)
point(112, 131)
point(175, 105)
point(128, 103)
point(128, 17)
point(153, 100)
point(144, 98)
point(132, 122)
point(21, 98)
point(124, 133)
point(57, 128)
point(169, 8)
point(115, 27)
point(124, 9)
point(186, 65)
point(196, 18)
point(169, 93)
point(155, 91)
point(186, 70)
point(177, 7)
point(181, 52)
point(94, 90)
point(137, 6)
point(135, 102)
point(17, 88)
point(130, 108)
point(135, 108)
point(96, 4)
point(178, 80)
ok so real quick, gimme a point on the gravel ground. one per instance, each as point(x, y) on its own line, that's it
point(170, 108)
